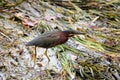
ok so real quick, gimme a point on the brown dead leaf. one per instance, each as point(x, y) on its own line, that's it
point(29, 22)
point(19, 15)
point(39, 64)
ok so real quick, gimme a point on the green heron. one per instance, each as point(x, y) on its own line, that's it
point(51, 39)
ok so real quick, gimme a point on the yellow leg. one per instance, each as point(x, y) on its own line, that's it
point(34, 55)
point(47, 55)
point(35, 51)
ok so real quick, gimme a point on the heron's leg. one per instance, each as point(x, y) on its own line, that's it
point(47, 55)
point(35, 51)
point(34, 55)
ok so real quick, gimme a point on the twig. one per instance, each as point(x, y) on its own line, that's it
point(5, 36)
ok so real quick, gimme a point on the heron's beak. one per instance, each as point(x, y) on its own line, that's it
point(70, 35)
point(78, 33)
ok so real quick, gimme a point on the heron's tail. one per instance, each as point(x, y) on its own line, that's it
point(29, 43)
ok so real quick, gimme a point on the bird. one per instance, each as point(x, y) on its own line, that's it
point(52, 39)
